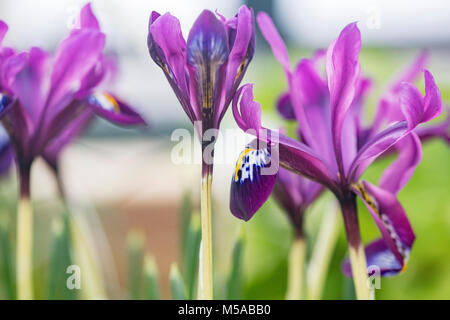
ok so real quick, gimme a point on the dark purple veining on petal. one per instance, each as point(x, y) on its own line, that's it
point(207, 55)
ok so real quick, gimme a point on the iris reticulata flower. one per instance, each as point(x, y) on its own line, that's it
point(204, 72)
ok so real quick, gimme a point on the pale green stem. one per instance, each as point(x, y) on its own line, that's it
point(205, 271)
point(355, 246)
point(372, 293)
point(322, 252)
point(359, 271)
point(151, 278)
point(24, 260)
point(92, 287)
point(296, 269)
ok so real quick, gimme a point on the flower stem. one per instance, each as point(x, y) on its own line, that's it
point(296, 268)
point(321, 256)
point(206, 279)
point(24, 258)
point(356, 249)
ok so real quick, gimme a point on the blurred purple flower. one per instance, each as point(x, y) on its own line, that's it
point(46, 100)
point(335, 149)
point(295, 194)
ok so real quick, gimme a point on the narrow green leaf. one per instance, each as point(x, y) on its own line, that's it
point(234, 284)
point(191, 255)
point(7, 259)
point(151, 278)
point(70, 294)
point(185, 218)
point(176, 284)
point(135, 252)
point(56, 266)
point(59, 260)
point(348, 289)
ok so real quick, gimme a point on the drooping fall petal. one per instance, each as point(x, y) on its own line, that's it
point(378, 256)
point(110, 107)
point(252, 181)
point(390, 218)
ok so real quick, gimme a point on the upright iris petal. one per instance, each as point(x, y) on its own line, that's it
point(207, 54)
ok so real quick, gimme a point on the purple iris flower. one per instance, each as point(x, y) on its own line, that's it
point(335, 149)
point(204, 72)
point(47, 100)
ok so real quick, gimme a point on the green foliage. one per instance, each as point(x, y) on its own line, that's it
point(135, 271)
point(234, 284)
point(7, 260)
point(59, 260)
point(151, 279)
point(191, 255)
point(177, 289)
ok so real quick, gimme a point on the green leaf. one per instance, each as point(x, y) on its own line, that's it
point(59, 260)
point(348, 289)
point(185, 218)
point(191, 255)
point(234, 283)
point(177, 289)
point(7, 259)
point(135, 253)
point(151, 278)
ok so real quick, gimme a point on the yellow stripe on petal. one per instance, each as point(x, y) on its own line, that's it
point(107, 102)
point(239, 162)
point(405, 266)
point(367, 198)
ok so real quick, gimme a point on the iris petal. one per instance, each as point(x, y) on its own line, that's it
point(207, 54)
point(249, 187)
point(284, 106)
point(167, 48)
point(113, 109)
point(5, 100)
point(378, 255)
point(6, 153)
point(390, 218)
point(401, 170)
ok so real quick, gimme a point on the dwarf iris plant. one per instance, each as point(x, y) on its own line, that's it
point(204, 73)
